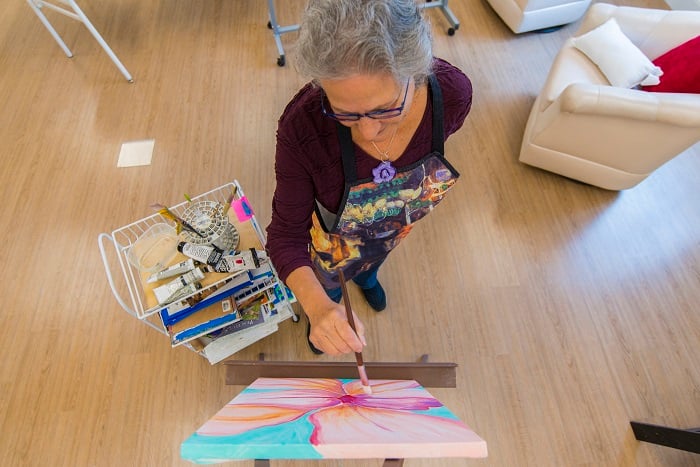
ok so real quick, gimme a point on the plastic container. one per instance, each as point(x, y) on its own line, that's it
point(154, 249)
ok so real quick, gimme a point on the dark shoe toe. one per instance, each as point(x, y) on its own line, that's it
point(376, 297)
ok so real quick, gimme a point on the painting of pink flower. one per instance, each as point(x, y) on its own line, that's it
point(292, 418)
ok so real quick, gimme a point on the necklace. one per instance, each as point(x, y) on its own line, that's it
point(384, 171)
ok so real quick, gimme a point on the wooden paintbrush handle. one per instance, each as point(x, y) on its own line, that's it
point(348, 311)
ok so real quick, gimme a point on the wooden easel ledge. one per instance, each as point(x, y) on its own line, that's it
point(429, 375)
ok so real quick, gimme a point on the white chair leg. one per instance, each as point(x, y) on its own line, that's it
point(78, 15)
point(45, 22)
point(100, 40)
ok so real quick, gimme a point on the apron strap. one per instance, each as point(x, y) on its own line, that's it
point(438, 120)
point(347, 151)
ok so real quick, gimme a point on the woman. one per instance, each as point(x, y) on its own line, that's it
point(359, 154)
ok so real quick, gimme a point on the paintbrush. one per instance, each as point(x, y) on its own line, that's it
point(168, 214)
point(358, 355)
point(229, 200)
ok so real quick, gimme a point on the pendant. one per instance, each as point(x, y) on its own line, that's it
point(384, 172)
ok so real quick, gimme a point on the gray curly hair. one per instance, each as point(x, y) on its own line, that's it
point(341, 38)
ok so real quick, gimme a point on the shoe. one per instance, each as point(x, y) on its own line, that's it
point(311, 346)
point(375, 297)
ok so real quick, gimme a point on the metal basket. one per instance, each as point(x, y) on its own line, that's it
point(125, 238)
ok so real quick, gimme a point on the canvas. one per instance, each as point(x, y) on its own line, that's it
point(316, 418)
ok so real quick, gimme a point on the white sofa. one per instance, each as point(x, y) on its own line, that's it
point(530, 15)
point(583, 128)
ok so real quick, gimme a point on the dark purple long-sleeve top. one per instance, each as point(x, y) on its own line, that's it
point(308, 164)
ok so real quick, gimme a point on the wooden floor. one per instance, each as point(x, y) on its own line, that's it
point(570, 310)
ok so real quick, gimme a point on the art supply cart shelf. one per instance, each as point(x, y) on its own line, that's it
point(211, 312)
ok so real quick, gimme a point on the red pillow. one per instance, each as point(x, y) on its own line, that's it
point(681, 67)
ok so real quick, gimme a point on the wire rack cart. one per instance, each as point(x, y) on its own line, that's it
point(228, 311)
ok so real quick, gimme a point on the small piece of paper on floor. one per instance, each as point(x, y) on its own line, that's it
point(135, 153)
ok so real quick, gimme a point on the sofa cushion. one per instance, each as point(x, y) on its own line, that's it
point(622, 63)
point(681, 67)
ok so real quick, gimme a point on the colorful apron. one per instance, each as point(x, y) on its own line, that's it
point(375, 217)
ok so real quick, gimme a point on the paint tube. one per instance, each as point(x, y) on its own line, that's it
point(203, 253)
point(244, 260)
point(165, 293)
point(172, 271)
point(183, 292)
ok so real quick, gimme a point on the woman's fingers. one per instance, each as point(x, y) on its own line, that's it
point(334, 335)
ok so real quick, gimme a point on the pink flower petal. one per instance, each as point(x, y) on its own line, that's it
point(351, 424)
point(321, 384)
point(350, 431)
point(398, 395)
point(232, 420)
point(294, 392)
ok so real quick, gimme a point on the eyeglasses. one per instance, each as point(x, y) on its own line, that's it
point(375, 114)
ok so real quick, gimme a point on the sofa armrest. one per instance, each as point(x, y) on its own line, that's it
point(681, 110)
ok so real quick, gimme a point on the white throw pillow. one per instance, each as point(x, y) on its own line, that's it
point(622, 63)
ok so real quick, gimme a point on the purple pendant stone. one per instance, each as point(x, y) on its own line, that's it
point(384, 172)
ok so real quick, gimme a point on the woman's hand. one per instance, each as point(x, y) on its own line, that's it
point(331, 332)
